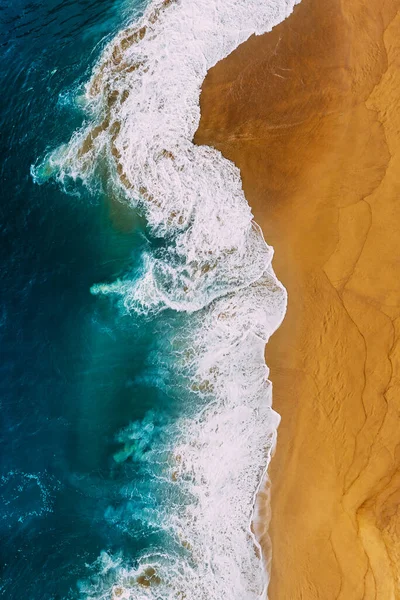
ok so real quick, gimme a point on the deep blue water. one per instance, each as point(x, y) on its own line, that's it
point(74, 369)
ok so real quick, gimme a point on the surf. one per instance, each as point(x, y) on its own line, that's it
point(209, 262)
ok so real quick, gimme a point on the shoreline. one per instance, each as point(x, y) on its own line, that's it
point(207, 258)
point(311, 120)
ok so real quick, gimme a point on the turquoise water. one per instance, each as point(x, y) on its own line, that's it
point(75, 370)
point(137, 297)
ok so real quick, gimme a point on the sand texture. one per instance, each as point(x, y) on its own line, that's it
point(311, 114)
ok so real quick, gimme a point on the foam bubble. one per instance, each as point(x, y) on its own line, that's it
point(204, 469)
point(26, 495)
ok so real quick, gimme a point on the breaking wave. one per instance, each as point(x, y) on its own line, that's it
point(200, 472)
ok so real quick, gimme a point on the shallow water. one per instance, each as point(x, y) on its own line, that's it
point(136, 300)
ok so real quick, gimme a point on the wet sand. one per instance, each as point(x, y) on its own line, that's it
point(311, 114)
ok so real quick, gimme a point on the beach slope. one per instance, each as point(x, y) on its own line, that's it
point(310, 113)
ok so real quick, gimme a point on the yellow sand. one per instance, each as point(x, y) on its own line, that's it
point(311, 115)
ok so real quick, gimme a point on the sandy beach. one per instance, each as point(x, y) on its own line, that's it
point(311, 114)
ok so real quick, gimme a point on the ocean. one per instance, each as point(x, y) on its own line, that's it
point(137, 295)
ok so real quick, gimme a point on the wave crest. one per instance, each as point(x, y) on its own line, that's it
point(143, 98)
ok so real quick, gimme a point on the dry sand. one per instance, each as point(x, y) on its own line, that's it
point(311, 115)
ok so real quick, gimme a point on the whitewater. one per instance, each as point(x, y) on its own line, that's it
point(211, 264)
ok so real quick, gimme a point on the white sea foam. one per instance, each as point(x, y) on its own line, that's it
point(143, 99)
point(26, 495)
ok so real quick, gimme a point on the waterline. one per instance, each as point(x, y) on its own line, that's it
point(208, 261)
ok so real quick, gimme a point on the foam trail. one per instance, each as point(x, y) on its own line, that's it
point(143, 101)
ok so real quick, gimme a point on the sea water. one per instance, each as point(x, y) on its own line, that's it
point(137, 298)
